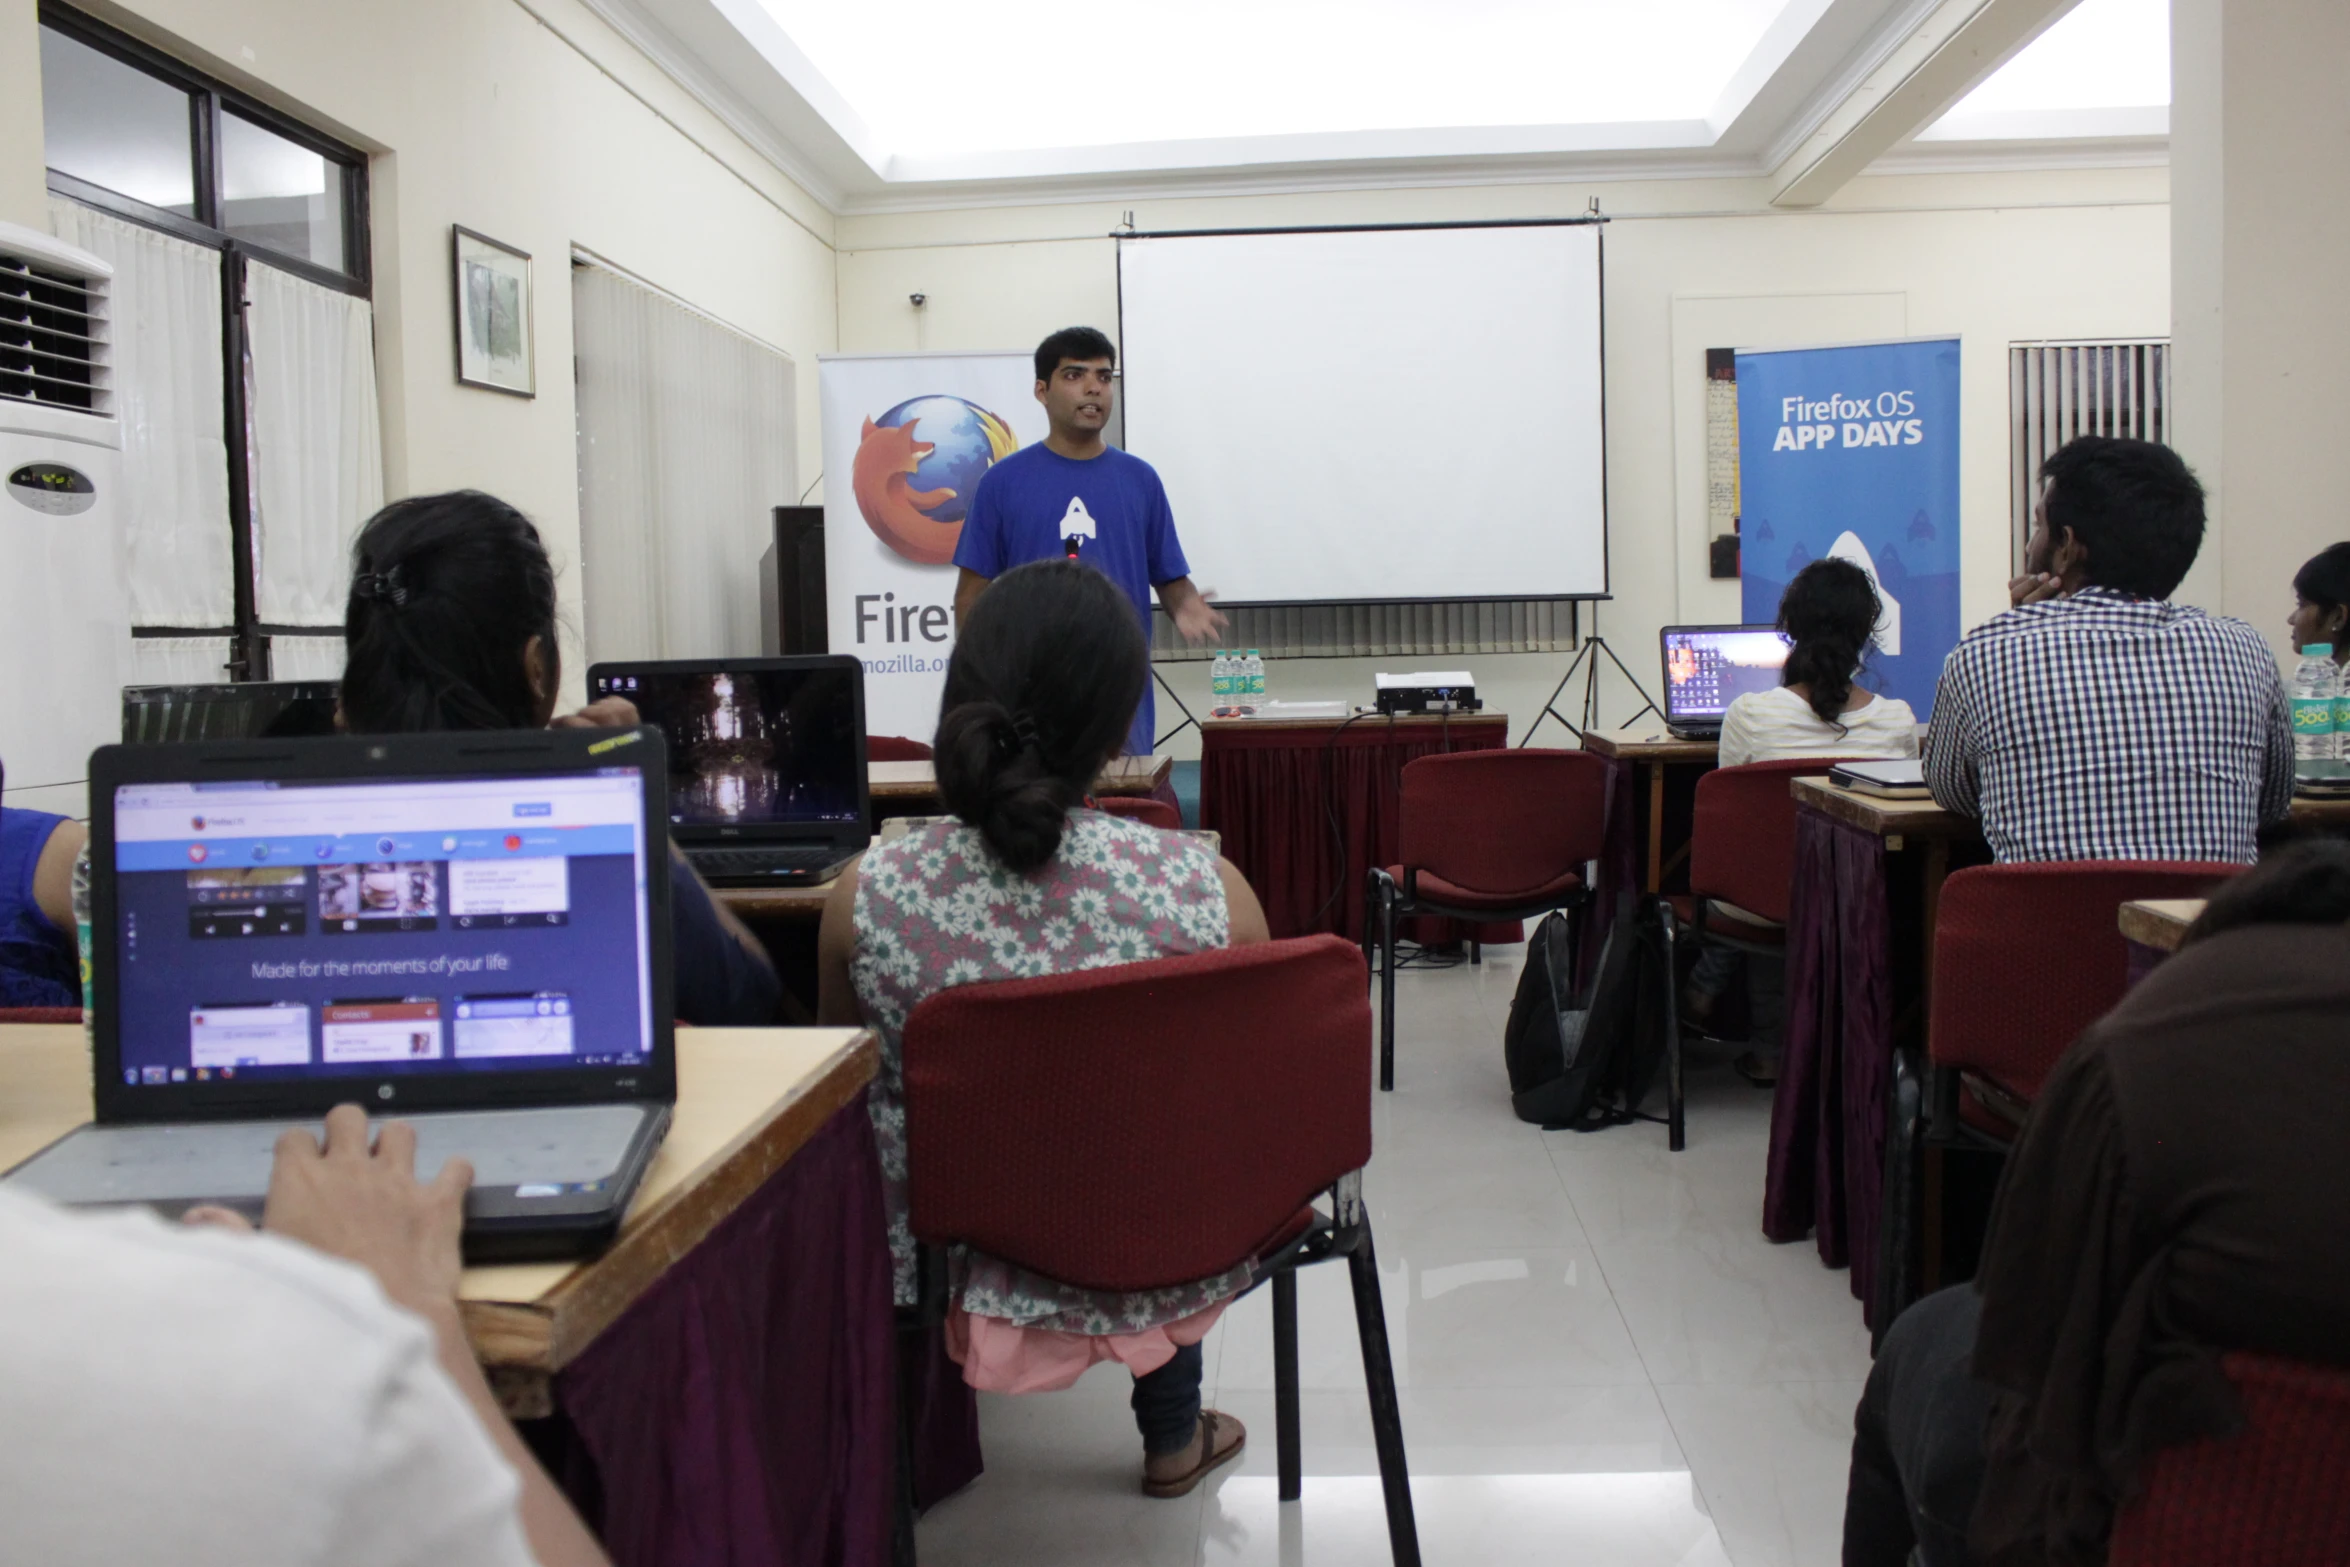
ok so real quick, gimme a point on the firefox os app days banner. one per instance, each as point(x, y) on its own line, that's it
point(906, 438)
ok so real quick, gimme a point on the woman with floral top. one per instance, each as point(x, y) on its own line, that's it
point(1025, 881)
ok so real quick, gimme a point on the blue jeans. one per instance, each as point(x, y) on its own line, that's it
point(1166, 1403)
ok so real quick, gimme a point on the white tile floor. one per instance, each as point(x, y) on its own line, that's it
point(1600, 1358)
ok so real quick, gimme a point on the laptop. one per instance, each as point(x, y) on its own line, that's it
point(766, 761)
point(246, 710)
point(470, 931)
point(1709, 667)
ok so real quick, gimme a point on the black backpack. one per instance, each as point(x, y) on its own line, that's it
point(1586, 1063)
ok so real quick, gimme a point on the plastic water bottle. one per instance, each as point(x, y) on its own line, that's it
point(81, 937)
point(1220, 680)
point(2317, 684)
point(1254, 668)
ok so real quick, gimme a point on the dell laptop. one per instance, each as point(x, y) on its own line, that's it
point(1709, 667)
point(766, 761)
point(468, 931)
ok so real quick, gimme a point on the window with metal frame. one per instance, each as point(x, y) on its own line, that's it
point(139, 135)
point(2059, 390)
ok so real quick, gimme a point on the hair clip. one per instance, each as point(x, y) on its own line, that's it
point(1025, 727)
point(385, 587)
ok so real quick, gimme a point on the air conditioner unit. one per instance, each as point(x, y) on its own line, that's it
point(64, 600)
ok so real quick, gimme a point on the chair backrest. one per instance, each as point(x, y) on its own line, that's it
point(1144, 1125)
point(895, 748)
point(40, 1014)
point(2027, 956)
point(2273, 1494)
point(1503, 821)
point(1141, 808)
point(1742, 835)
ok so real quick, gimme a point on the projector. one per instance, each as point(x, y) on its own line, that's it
point(1429, 691)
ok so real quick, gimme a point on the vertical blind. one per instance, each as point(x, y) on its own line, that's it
point(688, 440)
point(2056, 391)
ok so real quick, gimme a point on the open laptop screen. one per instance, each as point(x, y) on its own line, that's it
point(1709, 667)
point(756, 747)
point(319, 929)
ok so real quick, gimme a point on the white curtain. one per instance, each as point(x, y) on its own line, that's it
point(179, 661)
point(168, 393)
point(687, 442)
point(317, 442)
point(306, 658)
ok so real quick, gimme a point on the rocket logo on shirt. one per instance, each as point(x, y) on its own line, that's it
point(1077, 522)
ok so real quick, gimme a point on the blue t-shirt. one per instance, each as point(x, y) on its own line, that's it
point(40, 965)
point(1034, 499)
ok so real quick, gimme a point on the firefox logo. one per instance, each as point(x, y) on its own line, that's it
point(917, 466)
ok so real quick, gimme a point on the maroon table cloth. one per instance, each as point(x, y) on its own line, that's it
point(1826, 1171)
point(1282, 799)
point(743, 1410)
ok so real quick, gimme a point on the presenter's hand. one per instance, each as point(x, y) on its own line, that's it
point(1196, 619)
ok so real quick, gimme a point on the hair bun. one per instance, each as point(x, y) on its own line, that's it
point(992, 774)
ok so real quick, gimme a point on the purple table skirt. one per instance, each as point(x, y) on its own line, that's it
point(1828, 1121)
point(743, 1410)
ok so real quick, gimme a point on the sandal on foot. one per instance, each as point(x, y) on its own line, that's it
point(1760, 1070)
point(1220, 1440)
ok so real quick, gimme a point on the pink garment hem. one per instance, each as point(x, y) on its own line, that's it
point(1000, 1357)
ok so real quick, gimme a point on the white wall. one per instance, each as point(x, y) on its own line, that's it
point(1690, 265)
point(530, 121)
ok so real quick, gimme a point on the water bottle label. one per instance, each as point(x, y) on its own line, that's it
point(2342, 713)
point(2313, 715)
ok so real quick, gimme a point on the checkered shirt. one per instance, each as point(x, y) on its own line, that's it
point(2105, 727)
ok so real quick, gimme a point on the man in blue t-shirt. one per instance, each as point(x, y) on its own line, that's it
point(1075, 492)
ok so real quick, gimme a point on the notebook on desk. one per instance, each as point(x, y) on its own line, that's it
point(470, 931)
point(1893, 778)
point(767, 777)
point(1707, 668)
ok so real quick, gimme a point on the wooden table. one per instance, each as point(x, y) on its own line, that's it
point(747, 1100)
point(897, 782)
point(2320, 813)
point(2159, 923)
point(1653, 754)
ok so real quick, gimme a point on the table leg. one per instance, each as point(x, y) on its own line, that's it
point(1656, 828)
point(1937, 872)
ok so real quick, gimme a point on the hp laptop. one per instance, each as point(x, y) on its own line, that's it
point(1709, 667)
point(766, 761)
point(469, 931)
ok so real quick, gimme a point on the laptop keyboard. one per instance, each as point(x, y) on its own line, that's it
point(778, 860)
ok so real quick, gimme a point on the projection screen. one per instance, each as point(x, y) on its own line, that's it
point(1368, 414)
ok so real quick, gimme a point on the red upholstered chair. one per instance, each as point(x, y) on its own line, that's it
point(894, 748)
point(1741, 875)
point(2025, 958)
point(40, 1014)
point(1140, 1126)
point(1141, 808)
point(2272, 1495)
point(1485, 836)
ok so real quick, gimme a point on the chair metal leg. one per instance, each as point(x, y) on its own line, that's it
point(1898, 1250)
point(1476, 953)
point(1386, 984)
point(1403, 1531)
point(1676, 1131)
point(909, 1344)
point(1285, 1420)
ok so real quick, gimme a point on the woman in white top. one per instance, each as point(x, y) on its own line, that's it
point(1828, 612)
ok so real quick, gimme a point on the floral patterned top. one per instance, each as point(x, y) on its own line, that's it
point(936, 909)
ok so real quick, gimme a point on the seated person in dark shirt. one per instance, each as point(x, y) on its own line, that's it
point(40, 964)
point(2096, 720)
point(451, 625)
point(2181, 1189)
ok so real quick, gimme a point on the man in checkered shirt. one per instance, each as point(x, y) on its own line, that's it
point(2096, 720)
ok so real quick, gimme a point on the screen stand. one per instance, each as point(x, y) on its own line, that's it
point(1587, 657)
point(1189, 722)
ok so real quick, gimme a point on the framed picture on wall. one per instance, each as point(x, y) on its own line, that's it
point(494, 347)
